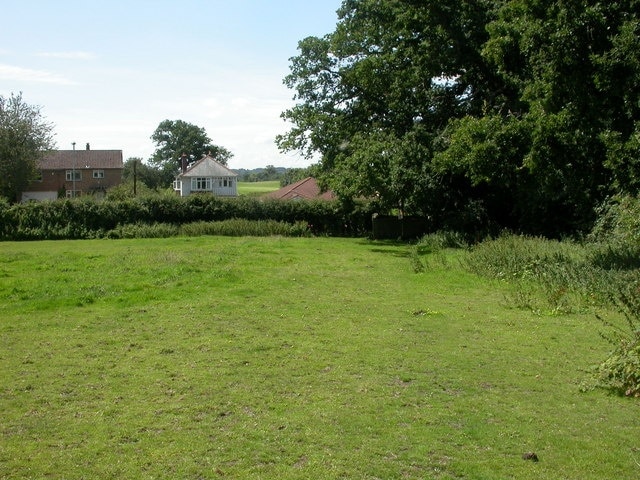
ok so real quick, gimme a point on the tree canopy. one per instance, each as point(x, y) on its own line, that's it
point(176, 137)
point(512, 113)
point(25, 137)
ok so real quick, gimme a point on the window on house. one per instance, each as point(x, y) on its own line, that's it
point(72, 173)
point(73, 193)
point(98, 174)
point(201, 183)
point(177, 185)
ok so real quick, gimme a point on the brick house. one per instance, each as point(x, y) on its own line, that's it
point(73, 173)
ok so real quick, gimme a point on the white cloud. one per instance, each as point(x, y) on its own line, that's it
point(77, 55)
point(11, 72)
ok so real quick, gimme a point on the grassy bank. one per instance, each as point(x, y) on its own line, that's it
point(211, 357)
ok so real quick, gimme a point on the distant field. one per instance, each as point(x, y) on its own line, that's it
point(297, 358)
point(257, 188)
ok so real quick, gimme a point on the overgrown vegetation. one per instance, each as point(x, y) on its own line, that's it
point(561, 277)
point(620, 372)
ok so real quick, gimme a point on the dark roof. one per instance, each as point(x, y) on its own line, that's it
point(307, 188)
point(208, 166)
point(64, 159)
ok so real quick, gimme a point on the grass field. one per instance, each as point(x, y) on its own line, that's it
point(274, 358)
point(257, 188)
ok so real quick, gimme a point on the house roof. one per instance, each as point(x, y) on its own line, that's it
point(64, 159)
point(307, 188)
point(207, 166)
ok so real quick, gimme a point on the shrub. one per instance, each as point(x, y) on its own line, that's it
point(620, 372)
point(142, 230)
point(618, 222)
point(436, 241)
point(89, 218)
point(242, 227)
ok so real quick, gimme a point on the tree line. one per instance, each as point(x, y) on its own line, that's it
point(26, 137)
point(474, 114)
point(495, 114)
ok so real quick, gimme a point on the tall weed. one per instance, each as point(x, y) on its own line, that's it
point(569, 275)
point(433, 245)
point(566, 276)
point(620, 372)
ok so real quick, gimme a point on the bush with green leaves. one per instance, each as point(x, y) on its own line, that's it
point(620, 372)
point(142, 230)
point(239, 227)
point(89, 218)
point(618, 221)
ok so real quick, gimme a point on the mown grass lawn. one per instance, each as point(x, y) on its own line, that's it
point(258, 188)
point(279, 358)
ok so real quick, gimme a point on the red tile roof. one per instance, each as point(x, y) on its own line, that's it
point(307, 189)
point(64, 159)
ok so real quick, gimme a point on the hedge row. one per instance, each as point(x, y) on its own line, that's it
point(86, 218)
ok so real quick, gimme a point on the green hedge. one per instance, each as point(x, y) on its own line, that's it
point(87, 218)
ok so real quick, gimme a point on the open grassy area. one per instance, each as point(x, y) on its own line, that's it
point(212, 357)
point(258, 188)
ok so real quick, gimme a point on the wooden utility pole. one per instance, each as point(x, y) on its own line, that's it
point(135, 177)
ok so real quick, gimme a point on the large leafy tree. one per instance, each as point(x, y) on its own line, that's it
point(523, 112)
point(173, 138)
point(373, 95)
point(574, 67)
point(144, 173)
point(25, 137)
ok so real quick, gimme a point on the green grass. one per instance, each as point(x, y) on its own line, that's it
point(258, 188)
point(212, 357)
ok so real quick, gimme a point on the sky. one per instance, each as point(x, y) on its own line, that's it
point(108, 72)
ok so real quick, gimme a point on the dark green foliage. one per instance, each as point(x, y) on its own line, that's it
point(85, 218)
point(143, 230)
point(478, 115)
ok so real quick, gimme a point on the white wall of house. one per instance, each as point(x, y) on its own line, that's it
point(219, 186)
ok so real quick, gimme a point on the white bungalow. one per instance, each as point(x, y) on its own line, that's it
point(207, 175)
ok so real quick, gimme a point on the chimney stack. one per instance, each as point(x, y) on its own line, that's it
point(184, 162)
point(88, 146)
